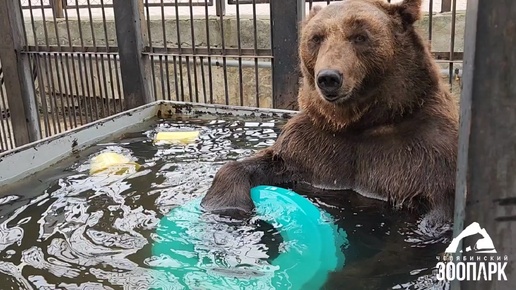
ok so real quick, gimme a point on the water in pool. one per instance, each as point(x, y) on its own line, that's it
point(66, 229)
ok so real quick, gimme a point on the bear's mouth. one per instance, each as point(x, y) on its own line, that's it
point(336, 98)
point(330, 98)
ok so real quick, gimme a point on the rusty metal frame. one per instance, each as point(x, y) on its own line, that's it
point(134, 65)
point(285, 63)
point(487, 156)
point(17, 74)
point(78, 82)
point(60, 5)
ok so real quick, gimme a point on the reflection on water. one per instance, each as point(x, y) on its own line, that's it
point(96, 232)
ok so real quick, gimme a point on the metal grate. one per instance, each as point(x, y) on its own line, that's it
point(70, 4)
point(6, 128)
point(214, 51)
point(75, 64)
point(201, 57)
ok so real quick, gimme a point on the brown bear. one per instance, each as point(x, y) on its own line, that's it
point(375, 116)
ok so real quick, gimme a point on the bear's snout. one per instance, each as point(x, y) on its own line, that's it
point(329, 82)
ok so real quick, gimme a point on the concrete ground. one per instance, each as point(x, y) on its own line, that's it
point(244, 9)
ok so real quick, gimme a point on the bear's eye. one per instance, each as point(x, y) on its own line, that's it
point(317, 39)
point(359, 38)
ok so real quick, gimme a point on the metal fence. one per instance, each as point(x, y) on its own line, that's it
point(71, 62)
point(60, 5)
point(6, 129)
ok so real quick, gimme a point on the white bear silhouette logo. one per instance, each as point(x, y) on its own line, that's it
point(475, 238)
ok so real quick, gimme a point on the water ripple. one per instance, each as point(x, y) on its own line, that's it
point(95, 232)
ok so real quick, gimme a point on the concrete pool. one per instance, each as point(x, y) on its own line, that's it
point(62, 228)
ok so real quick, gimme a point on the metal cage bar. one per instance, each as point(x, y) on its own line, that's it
point(229, 52)
point(487, 160)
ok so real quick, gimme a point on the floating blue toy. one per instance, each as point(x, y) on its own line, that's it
point(200, 251)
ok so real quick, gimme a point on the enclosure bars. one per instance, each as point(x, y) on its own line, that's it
point(17, 74)
point(134, 65)
point(84, 90)
point(486, 176)
point(446, 5)
point(60, 5)
point(284, 42)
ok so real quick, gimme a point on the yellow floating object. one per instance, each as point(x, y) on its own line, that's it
point(114, 163)
point(183, 137)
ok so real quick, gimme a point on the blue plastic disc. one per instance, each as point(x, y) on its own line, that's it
point(197, 250)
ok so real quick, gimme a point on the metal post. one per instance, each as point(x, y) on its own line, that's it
point(135, 67)
point(57, 8)
point(285, 18)
point(446, 5)
point(220, 7)
point(486, 178)
point(17, 74)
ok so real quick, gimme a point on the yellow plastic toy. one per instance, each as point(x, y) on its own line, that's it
point(176, 137)
point(112, 163)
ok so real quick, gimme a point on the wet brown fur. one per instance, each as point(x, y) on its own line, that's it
point(392, 135)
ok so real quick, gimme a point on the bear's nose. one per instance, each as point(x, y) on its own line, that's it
point(329, 81)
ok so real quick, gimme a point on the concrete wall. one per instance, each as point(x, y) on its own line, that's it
point(105, 35)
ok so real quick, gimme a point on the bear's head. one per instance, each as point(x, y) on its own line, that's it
point(363, 60)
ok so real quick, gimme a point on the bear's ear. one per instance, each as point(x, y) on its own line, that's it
point(408, 10)
point(315, 9)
